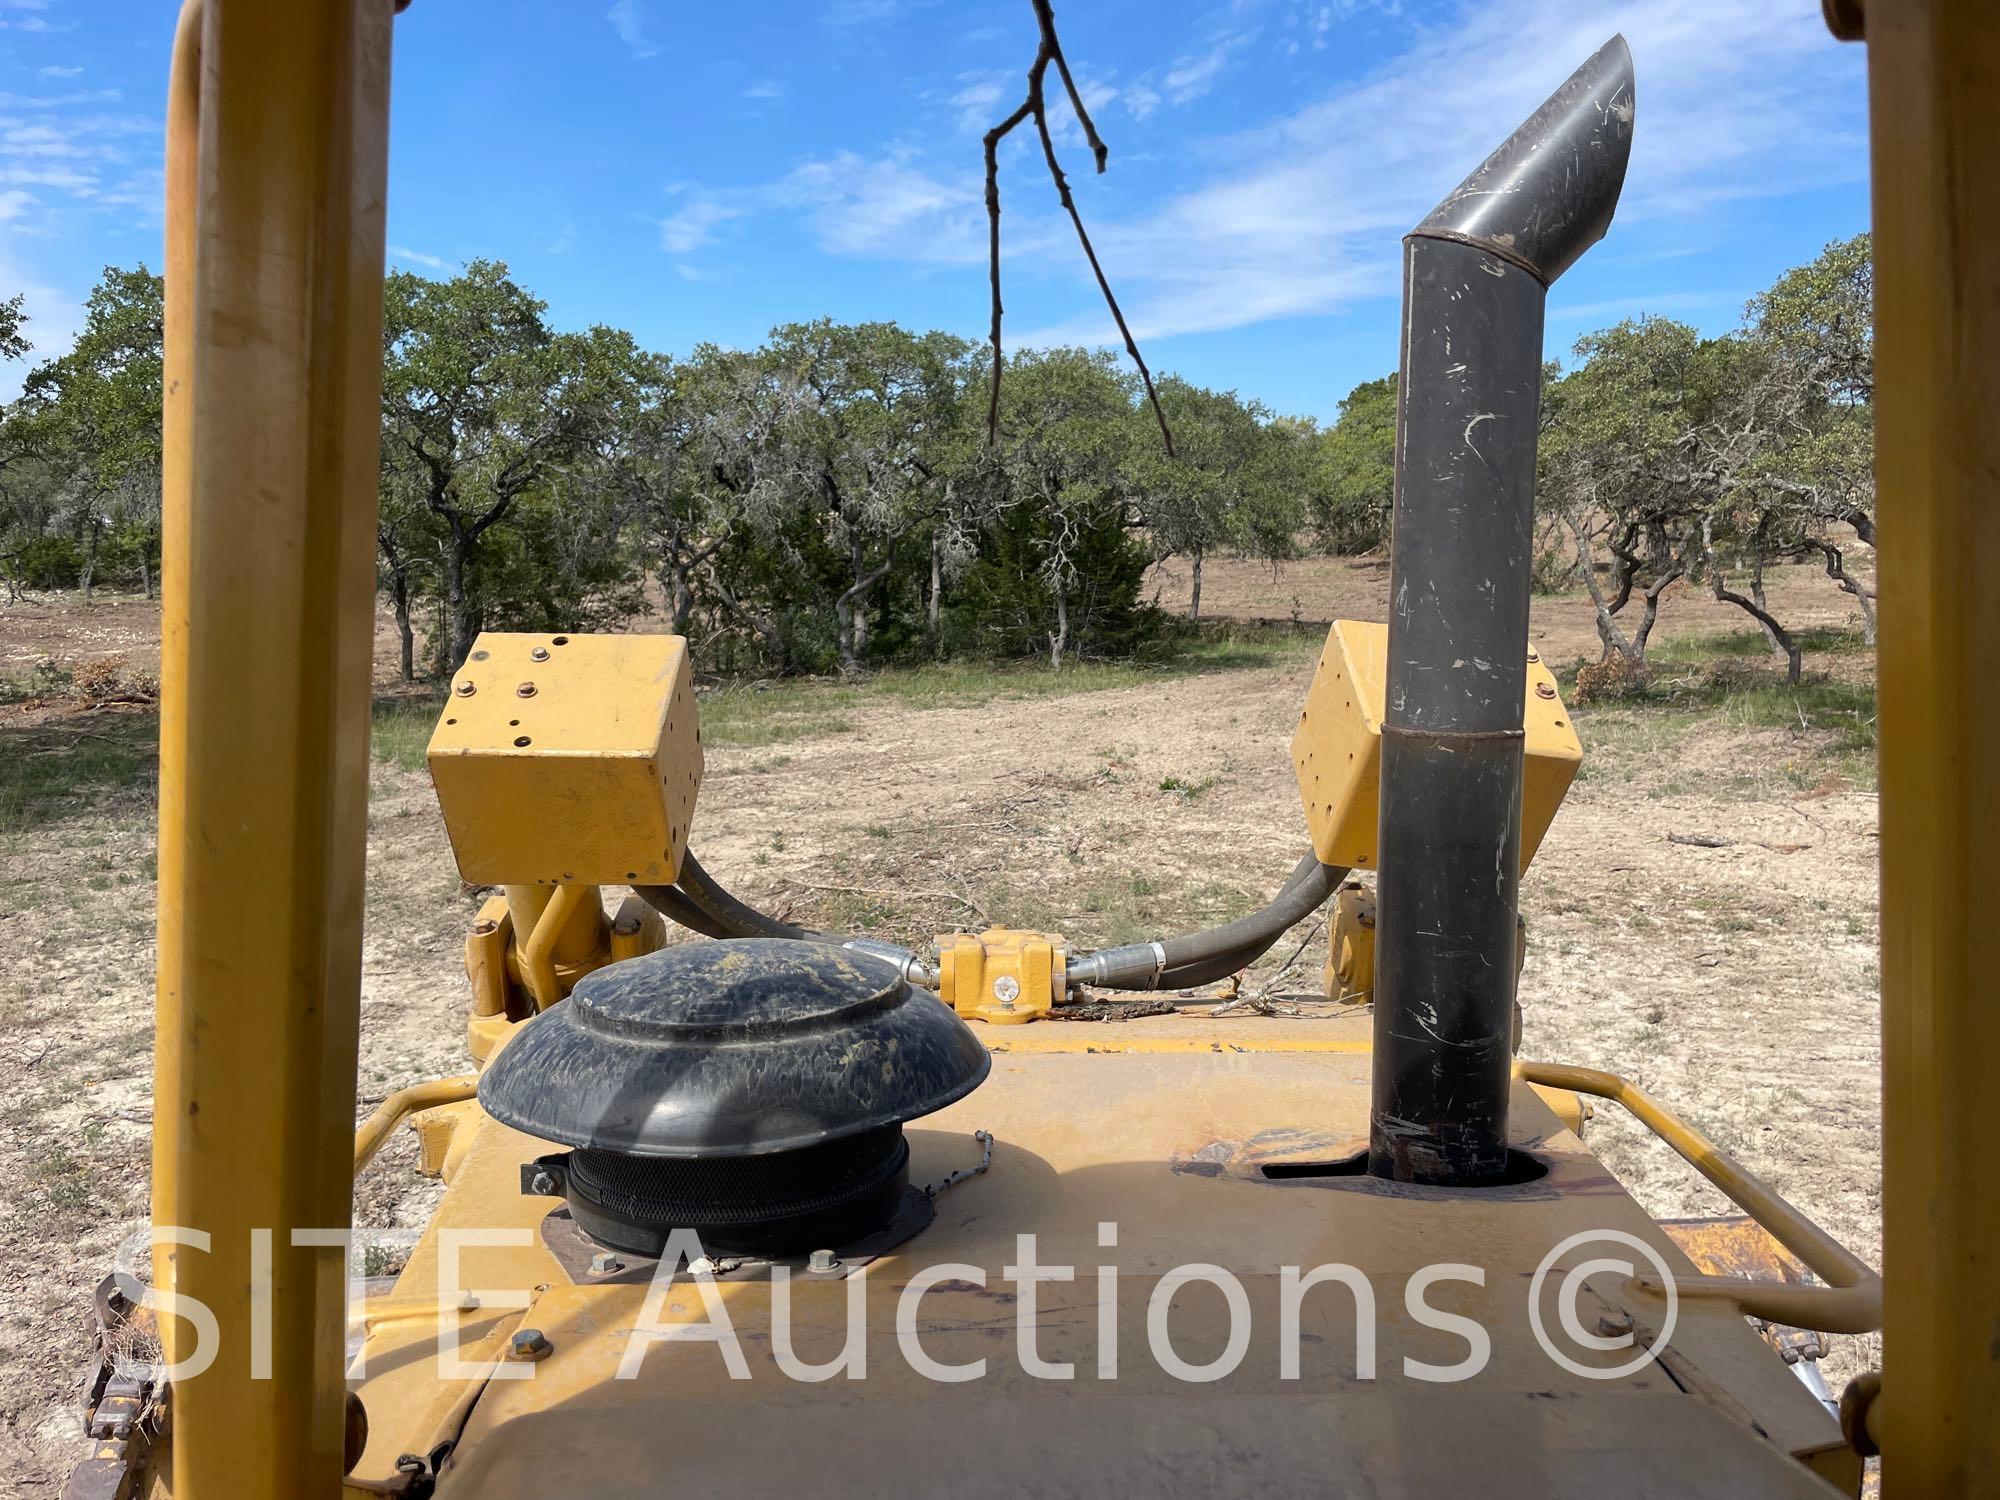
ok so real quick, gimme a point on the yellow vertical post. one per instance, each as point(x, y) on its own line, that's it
point(277, 163)
point(177, 402)
point(1934, 87)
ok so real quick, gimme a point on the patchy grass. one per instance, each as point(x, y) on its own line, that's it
point(403, 725)
point(1833, 719)
point(59, 768)
point(1703, 648)
point(773, 712)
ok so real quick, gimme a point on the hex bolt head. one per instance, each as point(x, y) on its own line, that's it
point(465, 690)
point(604, 1263)
point(1545, 690)
point(528, 1345)
point(822, 1260)
point(525, 690)
point(543, 1185)
point(1614, 1324)
point(540, 653)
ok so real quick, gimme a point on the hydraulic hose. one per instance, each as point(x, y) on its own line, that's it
point(737, 918)
point(1198, 957)
point(671, 903)
point(701, 904)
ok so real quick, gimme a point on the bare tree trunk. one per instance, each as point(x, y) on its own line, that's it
point(937, 583)
point(1059, 637)
point(1863, 595)
point(399, 596)
point(1194, 603)
point(679, 590)
point(765, 632)
point(459, 612)
point(1779, 637)
point(1653, 592)
point(1774, 634)
point(90, 563)
point(1607, 628)
point(851, 611)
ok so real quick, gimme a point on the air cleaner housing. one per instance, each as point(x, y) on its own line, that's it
point(752, 1090)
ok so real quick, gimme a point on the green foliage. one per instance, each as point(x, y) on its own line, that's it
point(48, 560)
point(80, 449)
point(13, 342)
point(1052, 583)
point(1354, 470)
point(828, 500)
point(1711, 459)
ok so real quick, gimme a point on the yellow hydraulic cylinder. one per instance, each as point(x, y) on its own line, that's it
point(1934, 111)
point(277, 160)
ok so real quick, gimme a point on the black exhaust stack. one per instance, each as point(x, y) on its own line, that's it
point(1476, 274)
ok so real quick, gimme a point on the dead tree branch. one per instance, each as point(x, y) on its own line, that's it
point(1035, 107)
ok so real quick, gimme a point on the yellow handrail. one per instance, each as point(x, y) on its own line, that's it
point(399, 1106)
point(1851, 1300)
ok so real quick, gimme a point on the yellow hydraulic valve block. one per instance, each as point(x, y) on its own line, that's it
point(1004, 976)
point(569, 760)
point(1337, 748)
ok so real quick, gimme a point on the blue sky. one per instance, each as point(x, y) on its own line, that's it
point(694, 171)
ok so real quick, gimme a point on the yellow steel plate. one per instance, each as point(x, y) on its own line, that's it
point(1164, 1128)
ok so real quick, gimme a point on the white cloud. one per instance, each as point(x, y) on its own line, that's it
point(628, 18)
point(69, 179)
point(978, 102)
point(1641, 305)
point(55, 72)
point(565, 240)
point(694, 225)
point(59, 101)
point(1195, 74)
point(853, 206)
point(765, 90)
point(886, 207)
point(39, 140)
point(1303, 215)
point(14, 203)
point(417, 257)
point(869, 12)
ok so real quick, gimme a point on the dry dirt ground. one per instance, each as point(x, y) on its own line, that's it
point(1738, 982)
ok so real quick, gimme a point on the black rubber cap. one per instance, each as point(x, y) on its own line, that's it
point(733, 1048)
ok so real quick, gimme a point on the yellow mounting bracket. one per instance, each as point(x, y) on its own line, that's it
point(1350, 952)
point(569, 760)
point(1003, 976)
point(1337, 748)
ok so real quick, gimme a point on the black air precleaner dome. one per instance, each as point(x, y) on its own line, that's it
point(753, 1091)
